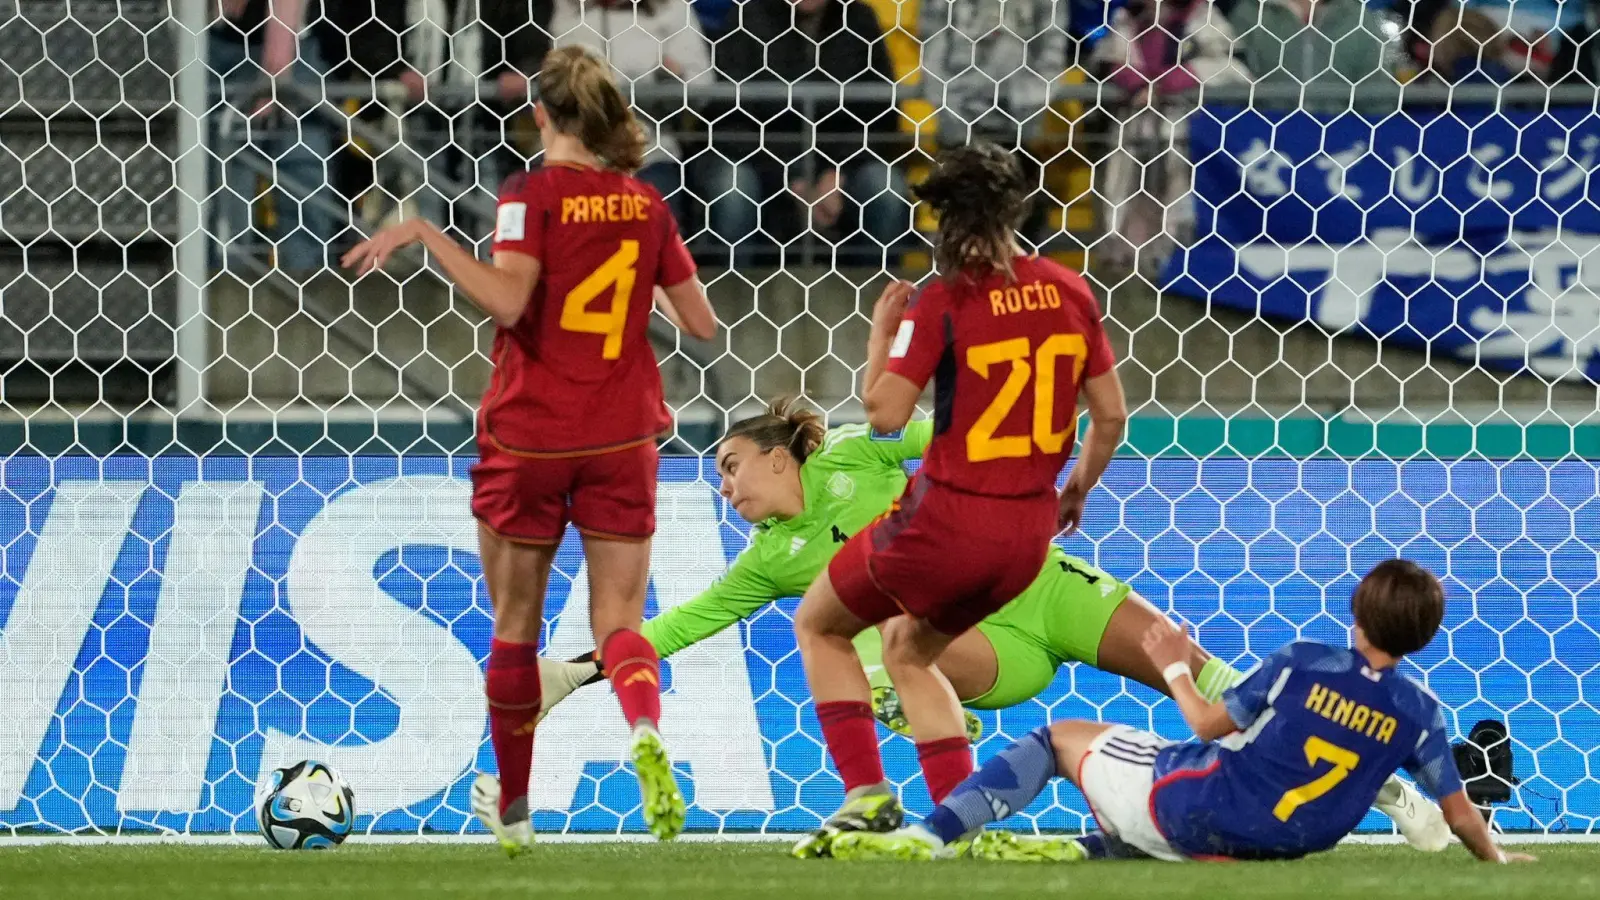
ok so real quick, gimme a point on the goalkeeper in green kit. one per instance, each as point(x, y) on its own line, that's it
point(808, 490)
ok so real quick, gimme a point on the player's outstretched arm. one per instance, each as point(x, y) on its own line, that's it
point(501, 290)
point(686, 306)
point(1468, 825)
point(1168, 648)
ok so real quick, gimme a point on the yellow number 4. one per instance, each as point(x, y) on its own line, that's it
point(982, 445)
point(1317, 750)
point(575, 312)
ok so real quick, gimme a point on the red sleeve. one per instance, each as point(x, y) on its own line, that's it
point(676, 266)
point(917, 346)
point(520, 217)
point(1101, 358)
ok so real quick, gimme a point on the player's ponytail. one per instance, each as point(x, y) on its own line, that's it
point(580, 94)
point(787, 423)
point(981, 199)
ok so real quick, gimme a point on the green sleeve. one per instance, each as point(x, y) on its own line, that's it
point(860, 444)
point(738, 594)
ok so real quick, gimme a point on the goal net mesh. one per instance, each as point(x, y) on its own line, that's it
point(1347, 268)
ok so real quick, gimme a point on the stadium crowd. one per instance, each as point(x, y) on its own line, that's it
point(449, 79)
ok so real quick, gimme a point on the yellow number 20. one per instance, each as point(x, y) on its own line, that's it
point(982, 445)
point(575, 312)
point(1317, 750)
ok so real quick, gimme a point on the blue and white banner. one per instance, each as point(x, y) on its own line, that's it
point(1472, 232)
point(171, 629)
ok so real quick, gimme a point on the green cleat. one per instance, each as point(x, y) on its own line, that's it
point(906, 844)
point(663, 802)
point(1004, 846)
point(875, 813)
point(886, 707)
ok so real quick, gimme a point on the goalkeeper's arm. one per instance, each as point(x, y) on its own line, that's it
point(739, 594)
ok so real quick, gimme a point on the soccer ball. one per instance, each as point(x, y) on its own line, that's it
point(306, 806)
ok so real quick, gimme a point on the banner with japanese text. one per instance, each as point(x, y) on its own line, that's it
point(1469, 231)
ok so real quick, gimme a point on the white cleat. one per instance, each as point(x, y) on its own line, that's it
point(557, 681)
point(1420, 821)
point(515, 836)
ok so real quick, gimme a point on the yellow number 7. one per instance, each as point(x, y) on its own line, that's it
point(575, 313)
point(1317, 750)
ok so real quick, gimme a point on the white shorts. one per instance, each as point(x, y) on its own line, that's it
point(1116, 775)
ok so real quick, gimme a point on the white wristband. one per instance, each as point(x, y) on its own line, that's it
point(1175, 671)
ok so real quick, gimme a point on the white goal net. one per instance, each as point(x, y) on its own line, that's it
point(1347, 262)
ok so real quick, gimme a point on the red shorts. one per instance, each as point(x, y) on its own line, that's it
point(946, 556)
point(531, 499)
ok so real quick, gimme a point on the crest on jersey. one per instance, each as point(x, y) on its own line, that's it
point(842, 486)
point(511, 222)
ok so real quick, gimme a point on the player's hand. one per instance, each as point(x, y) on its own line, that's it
point(1521, 858)
point(1165, 643)
point(1070, 515)
point(373, 252)
point(891, 307)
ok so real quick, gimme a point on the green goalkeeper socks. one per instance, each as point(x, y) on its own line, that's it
point(1216, 676)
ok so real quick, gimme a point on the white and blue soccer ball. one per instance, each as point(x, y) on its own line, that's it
point(306, 806)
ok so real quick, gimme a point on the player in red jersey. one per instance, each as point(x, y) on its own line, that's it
point(1010, 341)
point(567, 430)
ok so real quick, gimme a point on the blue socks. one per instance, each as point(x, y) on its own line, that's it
point(1005, 784)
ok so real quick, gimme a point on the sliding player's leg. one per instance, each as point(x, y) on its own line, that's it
point(1008, 782)
point(613, 506)
point(516, 574)
point(824, 628)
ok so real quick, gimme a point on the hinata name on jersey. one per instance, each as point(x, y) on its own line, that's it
point(1327, 703)
point(1032, 297)
point(594, 209)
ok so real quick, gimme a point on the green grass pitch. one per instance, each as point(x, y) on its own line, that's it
point(707, 871)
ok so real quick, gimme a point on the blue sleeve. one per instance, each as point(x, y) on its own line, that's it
point(1248, 699)
point(1432, 763)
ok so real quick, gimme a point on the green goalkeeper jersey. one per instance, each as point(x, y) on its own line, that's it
point(850, 480)
point(854, 477)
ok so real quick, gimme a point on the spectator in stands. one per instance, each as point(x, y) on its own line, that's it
point(645, 41)
point(1334, 43)
point(1466, 46)
point(451, 47)
point(1168, 48)
point(764, 143)
point(1544, 40)
point(988, 67)
point(715, 16)
point(249, 42)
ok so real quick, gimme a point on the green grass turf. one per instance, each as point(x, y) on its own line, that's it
point(66, 871)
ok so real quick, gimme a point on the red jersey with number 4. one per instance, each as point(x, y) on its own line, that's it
point(1008, 357)
point(576, 374)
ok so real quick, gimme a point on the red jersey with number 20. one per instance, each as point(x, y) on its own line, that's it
point(1008, 358)
point(576, 374)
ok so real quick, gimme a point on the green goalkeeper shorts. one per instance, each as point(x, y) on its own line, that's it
point(1060, 618)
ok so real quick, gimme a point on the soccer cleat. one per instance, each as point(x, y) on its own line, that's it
point(664, 809)
point(876, 813)
point(886, 707)
point(1004, 846)
point(515, 836)
point(1420, 822)
point(557, 681)
point(912, 844)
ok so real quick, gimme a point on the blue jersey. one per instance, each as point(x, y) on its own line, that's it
point(1319, 732)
